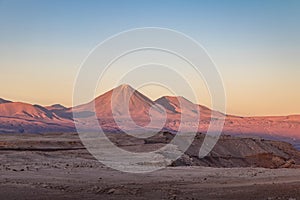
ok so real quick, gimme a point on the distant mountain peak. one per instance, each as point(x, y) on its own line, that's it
point(174, 99)
point(58, 106)
point(180, 104)
point(124, 88)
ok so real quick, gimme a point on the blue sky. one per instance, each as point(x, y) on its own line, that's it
point(256, 45)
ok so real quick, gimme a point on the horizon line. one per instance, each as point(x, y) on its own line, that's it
point(128, 85)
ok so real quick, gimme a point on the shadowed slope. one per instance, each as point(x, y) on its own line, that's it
point(4, 101)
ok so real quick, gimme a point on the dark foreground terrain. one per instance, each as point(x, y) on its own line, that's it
point(57, 166)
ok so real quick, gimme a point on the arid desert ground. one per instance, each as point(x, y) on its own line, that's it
point(57, 166)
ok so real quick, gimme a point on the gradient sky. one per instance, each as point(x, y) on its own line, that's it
point(255, 44)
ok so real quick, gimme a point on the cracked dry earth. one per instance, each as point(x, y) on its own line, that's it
point(37, 171)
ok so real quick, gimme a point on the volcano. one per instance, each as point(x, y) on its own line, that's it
point(123, 104)
point(113, 104)
point(126, 108)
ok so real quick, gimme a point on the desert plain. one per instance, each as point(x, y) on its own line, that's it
point(57, 166)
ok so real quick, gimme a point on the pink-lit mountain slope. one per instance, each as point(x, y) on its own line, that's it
point(23, 117)
point(166, 113)
point(111, 107)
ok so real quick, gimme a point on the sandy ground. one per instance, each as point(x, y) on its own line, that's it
point(74, 174)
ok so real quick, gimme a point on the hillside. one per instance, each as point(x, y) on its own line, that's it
point(228, 152)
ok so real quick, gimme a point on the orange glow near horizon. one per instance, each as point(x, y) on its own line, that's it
point(240, 101)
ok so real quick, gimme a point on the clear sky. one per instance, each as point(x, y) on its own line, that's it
point(255, 44)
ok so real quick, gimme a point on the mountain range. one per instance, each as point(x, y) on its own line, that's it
point(167, 113)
